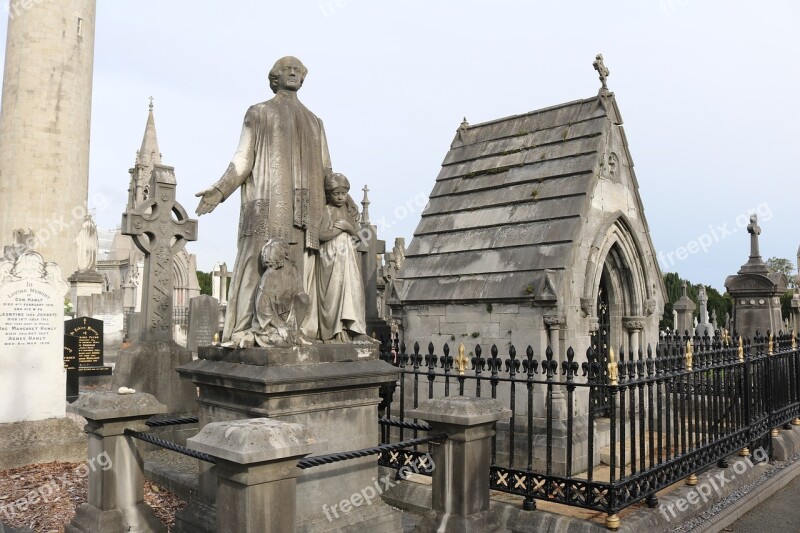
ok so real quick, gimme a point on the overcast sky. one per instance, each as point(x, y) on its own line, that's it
point(708, 91)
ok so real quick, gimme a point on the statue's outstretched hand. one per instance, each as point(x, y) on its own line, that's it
point(209, 199)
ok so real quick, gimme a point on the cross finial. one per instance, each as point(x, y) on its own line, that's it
point(365, 205)
point(151, 103)
point(754, 230)
point(601, 69)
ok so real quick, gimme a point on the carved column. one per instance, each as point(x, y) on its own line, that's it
point(634, 325)
point(553, 325)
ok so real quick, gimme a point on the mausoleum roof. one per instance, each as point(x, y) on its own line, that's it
point(509, 203)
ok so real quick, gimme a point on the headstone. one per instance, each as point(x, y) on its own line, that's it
point(159, 227)
point(203, 321)
point(33, 379)
point(134, 325)
point(89, 332)
point(71, 365)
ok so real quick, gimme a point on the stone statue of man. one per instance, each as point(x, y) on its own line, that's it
point(87, 245)
point(280, 166)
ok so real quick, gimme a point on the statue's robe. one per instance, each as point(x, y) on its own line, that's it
point(280, 167)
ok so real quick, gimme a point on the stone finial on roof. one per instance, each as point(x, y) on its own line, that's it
point(151, 103)
point(601, 69)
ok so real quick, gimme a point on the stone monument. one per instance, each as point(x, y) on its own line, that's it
point(333, 387)
point(203, 321)
point(159, 227)
point(33, 379)
point(703, 326)
point(684, 307)
point(756, 290)
point(85, 281)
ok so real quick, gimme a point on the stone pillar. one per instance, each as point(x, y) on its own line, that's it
point(84, 284)
point(461, 463)
point(116, 476)
point(256, 472)
point(685, 309)
point(634, 325)
point(553, 325)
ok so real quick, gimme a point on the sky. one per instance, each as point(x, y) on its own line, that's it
point(707, 90)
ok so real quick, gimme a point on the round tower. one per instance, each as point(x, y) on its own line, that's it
point(44, 124)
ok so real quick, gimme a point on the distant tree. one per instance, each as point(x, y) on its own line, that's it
point(204, 279)
point(783, 266)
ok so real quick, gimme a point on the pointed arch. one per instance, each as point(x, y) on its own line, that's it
point(618, 254)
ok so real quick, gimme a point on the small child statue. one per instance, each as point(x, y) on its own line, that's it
point(280, 304)
point(340, 287)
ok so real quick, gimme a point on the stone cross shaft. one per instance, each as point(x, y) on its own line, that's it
point(754, 230)
point(160, 228)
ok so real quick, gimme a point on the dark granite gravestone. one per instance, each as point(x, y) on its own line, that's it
point(71, 364)
point(203, 321)
point(90, 345)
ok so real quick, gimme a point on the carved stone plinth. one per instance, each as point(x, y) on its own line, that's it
point(332, 389)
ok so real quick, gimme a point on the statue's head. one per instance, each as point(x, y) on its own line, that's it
point(275, 253)
point(287, 73)
point(336, 188)
point(336, 180)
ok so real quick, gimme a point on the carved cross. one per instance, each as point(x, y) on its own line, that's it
point(365, 205)
point(754, 230)
point(601, 69)
point(223, 276)
point(160, 228)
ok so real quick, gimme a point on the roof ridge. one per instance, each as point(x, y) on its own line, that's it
point(534, 112)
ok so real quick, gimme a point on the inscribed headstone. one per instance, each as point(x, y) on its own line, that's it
point(33, 379)
point(203, 321)
point(71, 365)
point(90, 345)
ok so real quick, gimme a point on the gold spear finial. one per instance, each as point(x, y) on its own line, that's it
point(689, 354)
point(613, 368)
point(461, 360)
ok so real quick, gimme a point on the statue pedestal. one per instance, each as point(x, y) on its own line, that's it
point(332, 389)
point(83, 284)
point(149, 366)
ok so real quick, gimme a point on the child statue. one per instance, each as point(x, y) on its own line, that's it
point(340, 292)
point(280, 303)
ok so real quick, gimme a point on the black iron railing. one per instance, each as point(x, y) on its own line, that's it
point(671, 411)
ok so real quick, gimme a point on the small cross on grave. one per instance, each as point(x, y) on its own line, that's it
point(754, 230)
point(160, 228)
point(224, 275)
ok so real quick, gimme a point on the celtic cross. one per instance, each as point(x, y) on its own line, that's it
point(159, 228)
